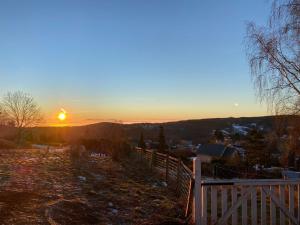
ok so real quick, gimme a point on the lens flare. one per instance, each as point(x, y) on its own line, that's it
point(62, 115)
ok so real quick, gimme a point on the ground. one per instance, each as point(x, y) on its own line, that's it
point(40, 188)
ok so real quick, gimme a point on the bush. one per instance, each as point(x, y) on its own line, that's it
point(120, 150)
point(116, 149)
point(78, 154)
point(5, 144)
point(97, 145)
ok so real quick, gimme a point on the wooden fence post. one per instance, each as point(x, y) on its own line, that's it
point(143, 154)
point(151, 160)
point(197, 203)
point(167, 167)
point(178, 177)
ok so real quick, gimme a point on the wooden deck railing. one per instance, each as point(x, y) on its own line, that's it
point(232, 202)
point(245, 201)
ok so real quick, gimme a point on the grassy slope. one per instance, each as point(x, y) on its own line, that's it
point(46, 189)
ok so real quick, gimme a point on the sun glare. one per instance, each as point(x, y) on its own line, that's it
point(62, 115)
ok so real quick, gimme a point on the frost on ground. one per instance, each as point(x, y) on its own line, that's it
point(51, 189)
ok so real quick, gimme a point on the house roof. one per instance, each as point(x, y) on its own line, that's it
point(229, 151)
point(215, 150)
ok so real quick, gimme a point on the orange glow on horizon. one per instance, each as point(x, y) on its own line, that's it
point(83, 115)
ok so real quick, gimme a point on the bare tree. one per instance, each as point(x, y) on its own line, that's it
point(21, 110)
point(274, 57)
point(3, 117)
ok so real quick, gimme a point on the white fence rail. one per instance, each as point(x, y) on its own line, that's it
point(263, 201)
point(229, 202)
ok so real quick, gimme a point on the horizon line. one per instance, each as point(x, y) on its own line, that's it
point(149, 121)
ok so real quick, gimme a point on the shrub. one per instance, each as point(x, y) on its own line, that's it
point(120, 150)
point(78, 153)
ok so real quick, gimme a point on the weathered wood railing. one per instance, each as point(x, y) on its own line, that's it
point(173, 170)
point(232, 202)
point(263, 201)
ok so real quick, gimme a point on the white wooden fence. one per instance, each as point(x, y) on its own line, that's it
point(239, 201)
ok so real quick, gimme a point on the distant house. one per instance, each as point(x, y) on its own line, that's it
point(288, 174)
point(241, 130)
point(208, 152)
point(185, 145)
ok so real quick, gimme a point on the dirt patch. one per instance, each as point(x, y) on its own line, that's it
point(67, 212)
point(17, 207)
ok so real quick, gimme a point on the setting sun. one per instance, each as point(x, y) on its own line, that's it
point(62, 115)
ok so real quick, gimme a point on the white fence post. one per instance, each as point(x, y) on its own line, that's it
point(197, 203)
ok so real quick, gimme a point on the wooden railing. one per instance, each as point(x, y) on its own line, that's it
point(239, 201)
point(172, 170)
point(232, 202)
point(253, 202)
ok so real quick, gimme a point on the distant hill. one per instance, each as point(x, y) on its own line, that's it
point(197, 131)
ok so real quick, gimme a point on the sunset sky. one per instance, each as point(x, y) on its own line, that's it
point(130, 61)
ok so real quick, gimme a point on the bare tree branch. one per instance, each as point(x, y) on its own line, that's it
point(21, 109)
point(274, 57)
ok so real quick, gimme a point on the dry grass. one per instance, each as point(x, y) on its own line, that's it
point(50, 189)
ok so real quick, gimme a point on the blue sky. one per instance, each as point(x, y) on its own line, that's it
point(130, 60)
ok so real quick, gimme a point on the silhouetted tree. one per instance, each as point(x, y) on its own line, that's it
point(219, 136)
point(294, 134)
point(257, 151)
point(162, 146)
point(236, 137)
point(274, 57)
point(291, 159)
point(3, 116)
point(142, 142)
point(21, 109)
point(120, 150)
